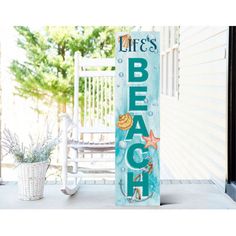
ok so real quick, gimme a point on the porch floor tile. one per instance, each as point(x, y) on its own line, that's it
point(174, 195)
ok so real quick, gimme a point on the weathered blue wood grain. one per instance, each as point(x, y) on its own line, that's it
point(151, 118)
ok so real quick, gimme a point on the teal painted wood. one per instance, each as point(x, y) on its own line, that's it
point(149, 175)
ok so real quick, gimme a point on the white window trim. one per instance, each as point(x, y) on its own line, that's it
point(173, 51)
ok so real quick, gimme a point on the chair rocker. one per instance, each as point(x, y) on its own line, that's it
point(96, 119)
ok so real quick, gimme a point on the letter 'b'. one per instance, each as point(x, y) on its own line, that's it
point(140, 69)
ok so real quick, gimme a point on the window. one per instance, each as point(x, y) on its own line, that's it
point(169, 60)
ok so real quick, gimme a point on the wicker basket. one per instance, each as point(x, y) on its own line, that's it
point(31, 178)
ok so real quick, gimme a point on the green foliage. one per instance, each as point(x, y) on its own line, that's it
point(47, 73)
point(37, 151)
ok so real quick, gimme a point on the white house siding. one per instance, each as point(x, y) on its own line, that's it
point(193, 127)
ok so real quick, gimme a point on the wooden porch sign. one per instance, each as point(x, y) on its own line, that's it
point(137, 118)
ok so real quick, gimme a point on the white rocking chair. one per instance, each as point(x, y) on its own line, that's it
point(97, 118)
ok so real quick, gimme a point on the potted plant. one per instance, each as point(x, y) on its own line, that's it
point(32, 162)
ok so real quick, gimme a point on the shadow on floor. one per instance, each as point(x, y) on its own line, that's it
point(173, 196)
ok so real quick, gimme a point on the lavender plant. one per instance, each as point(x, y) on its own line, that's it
point(36, 151)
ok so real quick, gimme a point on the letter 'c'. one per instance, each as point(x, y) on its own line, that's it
point(130, 156)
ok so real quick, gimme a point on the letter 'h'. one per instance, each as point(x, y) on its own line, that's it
point(131, 184)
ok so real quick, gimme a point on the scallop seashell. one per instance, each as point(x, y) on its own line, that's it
point(125, 40)
point(125, 121)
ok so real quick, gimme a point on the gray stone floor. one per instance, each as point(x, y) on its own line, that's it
point(174, 195)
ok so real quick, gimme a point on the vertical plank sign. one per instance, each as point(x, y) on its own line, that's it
point(137, 118)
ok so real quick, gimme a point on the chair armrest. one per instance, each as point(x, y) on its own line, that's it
point(66, 122)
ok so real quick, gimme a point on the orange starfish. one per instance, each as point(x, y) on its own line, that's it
point(151, 140)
